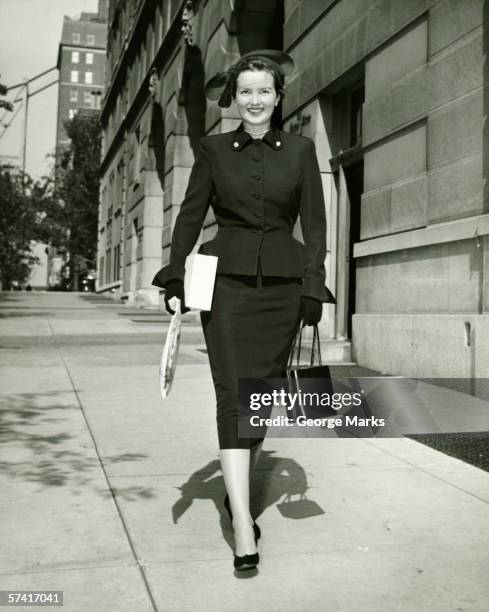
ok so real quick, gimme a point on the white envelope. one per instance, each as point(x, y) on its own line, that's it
point(200, 277)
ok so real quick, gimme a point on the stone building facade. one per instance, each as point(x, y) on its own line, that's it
point(393, 93)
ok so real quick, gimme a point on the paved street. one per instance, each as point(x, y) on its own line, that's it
point(115, 497)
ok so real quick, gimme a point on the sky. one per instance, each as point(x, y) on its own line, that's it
point(30, 31)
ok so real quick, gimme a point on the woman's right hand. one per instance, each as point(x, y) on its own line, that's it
point(311, 310)
point(174, 289)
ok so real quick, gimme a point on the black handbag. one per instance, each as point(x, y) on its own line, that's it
point(297, 374)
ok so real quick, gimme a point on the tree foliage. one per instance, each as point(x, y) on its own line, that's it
point(61, 210)
point(24, 220)
point(77, 185)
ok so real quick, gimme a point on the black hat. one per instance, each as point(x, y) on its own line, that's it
point(219, 86)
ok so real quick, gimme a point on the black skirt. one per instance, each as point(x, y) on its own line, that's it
point(248, 333)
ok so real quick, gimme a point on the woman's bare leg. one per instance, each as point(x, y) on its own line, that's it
point(235, 467)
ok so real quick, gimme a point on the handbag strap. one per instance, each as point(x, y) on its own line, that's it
point(297, 344)
point(316, 343)
point(293, 348)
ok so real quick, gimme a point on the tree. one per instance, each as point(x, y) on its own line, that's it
point(61, 211)
point(24, 203)
point(5, 103)
point(77, 185)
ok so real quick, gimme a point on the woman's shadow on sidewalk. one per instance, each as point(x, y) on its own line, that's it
point(275, 479)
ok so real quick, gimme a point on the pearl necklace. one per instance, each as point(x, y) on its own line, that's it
point(256, 133)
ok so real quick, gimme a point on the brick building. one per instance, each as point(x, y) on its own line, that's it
point(81, 66)
point(393, 93)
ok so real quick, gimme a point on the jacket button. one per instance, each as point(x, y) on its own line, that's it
point(257, 177)
point(235, 145)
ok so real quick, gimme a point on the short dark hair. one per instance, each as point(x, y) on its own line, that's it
point(256, 64)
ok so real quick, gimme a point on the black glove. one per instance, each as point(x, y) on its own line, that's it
point(174, 288)
point(311, 310)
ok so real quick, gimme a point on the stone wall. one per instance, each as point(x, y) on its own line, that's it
point(421, 280)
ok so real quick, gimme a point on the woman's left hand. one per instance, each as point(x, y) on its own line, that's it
point(174, 289)
point(311, 310)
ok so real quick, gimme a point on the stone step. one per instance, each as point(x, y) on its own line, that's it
point(162, 319)
point(139, 312)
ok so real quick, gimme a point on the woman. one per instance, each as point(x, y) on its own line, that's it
point(257, 179)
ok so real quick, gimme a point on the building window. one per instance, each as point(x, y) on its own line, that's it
point(73, 95)
point(88, 77)
point(107, 266)
point(97, 96)
point(75, 57)
point(89, 58)
point(88, 97)
point(135, 160)
point(357, 99)
point(117, 262)
point(90, 39)
point(75, 37)
point(74, 76)
point(71, 113)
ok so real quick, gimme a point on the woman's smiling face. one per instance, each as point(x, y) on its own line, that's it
point(256, 98)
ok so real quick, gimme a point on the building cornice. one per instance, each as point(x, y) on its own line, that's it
point(449, 231)
point(99, 86)
point(76, 47)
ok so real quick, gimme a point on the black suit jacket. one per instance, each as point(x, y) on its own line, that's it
point(257, 189)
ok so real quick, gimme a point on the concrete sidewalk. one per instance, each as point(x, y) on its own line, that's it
point(115, 497)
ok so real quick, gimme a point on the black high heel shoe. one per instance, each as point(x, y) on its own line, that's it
point(246, 562)
point(256, 529)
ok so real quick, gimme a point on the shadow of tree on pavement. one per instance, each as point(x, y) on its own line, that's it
point(44, 442)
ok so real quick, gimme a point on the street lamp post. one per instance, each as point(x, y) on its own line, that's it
point(26, 115)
